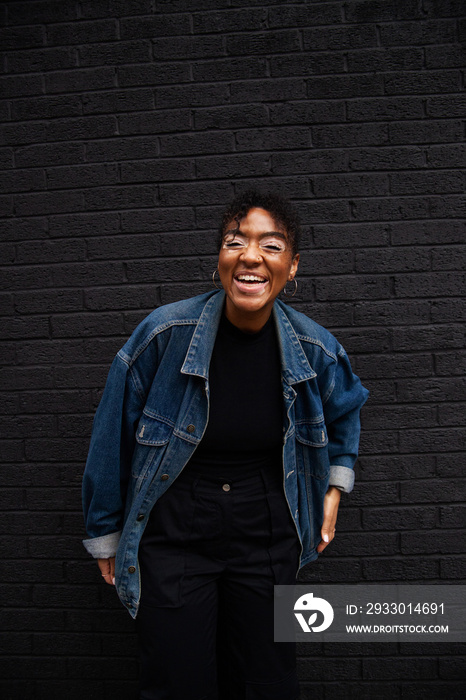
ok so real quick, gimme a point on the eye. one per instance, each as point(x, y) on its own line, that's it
point(233, 244)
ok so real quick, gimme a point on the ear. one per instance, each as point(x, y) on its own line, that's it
point(294, 267)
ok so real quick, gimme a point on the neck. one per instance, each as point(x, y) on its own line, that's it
point(248, 322)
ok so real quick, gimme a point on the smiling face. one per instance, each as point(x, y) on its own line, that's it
point(254, 264)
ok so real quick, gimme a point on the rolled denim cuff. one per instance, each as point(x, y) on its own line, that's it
point(342, 478)
point(103, 547)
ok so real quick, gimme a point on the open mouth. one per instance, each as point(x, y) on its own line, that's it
point(250, 279)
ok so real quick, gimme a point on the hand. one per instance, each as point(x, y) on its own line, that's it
point(107, 569)
point(331, 503)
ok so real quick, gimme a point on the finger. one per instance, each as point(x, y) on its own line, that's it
point(107, 570)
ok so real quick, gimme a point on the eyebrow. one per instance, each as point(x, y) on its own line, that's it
point(266, 234)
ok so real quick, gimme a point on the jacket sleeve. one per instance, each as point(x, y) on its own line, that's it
point(108, 465)
point(342, 403)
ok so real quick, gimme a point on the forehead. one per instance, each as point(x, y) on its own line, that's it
point(258, 221)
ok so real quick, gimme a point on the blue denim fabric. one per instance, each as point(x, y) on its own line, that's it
point(155, 408)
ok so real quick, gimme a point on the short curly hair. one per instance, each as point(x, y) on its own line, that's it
point(278, 207)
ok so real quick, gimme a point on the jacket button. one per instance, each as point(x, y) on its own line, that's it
point(191, 428)
point(164, 477)
point(140, 517)
point(131, 569)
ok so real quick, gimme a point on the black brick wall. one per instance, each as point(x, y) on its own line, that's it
point(125, 127)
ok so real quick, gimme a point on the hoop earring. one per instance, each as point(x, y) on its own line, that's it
point(294, 291)
point(213, 278)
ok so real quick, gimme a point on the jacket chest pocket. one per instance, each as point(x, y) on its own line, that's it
point(312, 458)
point(152, 438)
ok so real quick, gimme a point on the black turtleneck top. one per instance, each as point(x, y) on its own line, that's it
point(245, 427)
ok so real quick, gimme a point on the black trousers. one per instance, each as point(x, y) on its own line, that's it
point(212, 551)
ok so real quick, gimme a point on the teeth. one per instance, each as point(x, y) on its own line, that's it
point(250, 278)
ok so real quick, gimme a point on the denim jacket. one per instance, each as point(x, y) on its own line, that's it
point(155, 408)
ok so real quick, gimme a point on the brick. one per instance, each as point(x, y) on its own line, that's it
point(20, 85)
point(293, 65)
point(49, 301)
point(399, 417)
point(19, 328)
point(232, 166)
point(429, 285)
point(43, 155)
point(121, 197)
point(157, 170)
point(308, 112)
point(32, 204)
point(42, 60)
point(425, 132)
point(153, 27)
point(389, 209)
point(447, 8)
point(422, 83)
point(86, 325)
point(122, 149)
point(369, 60)
point(231, 117)
point(270, 42)
point(41, 12)
point(428, 337)
point(187, 47)
point(392, 669)
point(223, 21)
point(450, 464)
point(432, 490)
point(427, 183)
point(162, 121)
point(452, 414)
point(333, 669)
point(172, 219)
point(22, 181)
point(424, 441)
point(276, 138)
point(392, 260)
point(82, 176)
point(153, 74)
point(338, 38)
point(191, 95)
point(450, 363)
point(195, 194)
point(418, 33)
point(79, 80)
point(349, 185)
point(453, 56)
point(365, 287)
point(427, 232)
point(451, 258)
point(87, 274)
point(47, 401)
point(344, 87)
point(92, 9)
point(385, 109)
point(85, 224)
point(441, 542)
point(364, 544)
point(114, 54)
point(386, 159)
point(348, 135)
point(82, 32)
point(196, 144)
point(304, 16)
point(452, 516)
point(447, 156)
point(436, 389)
point(118, 101)
point(311, 161)
point(22, 37)
point(6, 157)
point(114, 298)
point(453, 567)
point(402, 518)
point(276, 90)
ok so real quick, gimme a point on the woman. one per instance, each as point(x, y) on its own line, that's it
point(228, 427)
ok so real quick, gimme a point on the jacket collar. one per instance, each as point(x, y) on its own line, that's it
point(295, 365)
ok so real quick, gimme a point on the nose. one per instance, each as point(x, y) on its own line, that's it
point(252, 254)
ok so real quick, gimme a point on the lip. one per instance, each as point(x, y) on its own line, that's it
point(250, 287)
